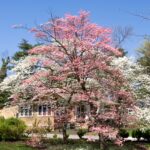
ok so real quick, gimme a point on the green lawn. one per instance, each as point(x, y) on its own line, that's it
point(127, 146)
point(13, 146)
point(77, 146)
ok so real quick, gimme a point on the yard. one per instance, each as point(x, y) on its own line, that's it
point(75, 87)
point(13, 146)
point(85, 146)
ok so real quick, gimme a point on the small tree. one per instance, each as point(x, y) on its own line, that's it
point(136, 76)
point(144, 55)
point(76, 62)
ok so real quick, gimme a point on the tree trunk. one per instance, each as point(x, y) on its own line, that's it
point(64, 134)
point(102, 142)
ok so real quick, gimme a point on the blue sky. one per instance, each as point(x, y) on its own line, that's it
point(109, 13)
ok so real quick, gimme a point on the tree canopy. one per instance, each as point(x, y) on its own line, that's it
point(75, 65)
point(144, 55)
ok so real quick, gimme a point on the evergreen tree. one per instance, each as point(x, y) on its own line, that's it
point(4, 95)
point(24, 46)
point(144, 55)
point(4, 98)
point(4, 67)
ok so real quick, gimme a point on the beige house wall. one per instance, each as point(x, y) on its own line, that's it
point(42, 121)
point(8, 112)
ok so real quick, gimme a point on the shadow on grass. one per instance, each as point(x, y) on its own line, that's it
point(84, 145)
point(57, 144)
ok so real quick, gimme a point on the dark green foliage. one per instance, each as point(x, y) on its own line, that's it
point(11, 129)
point(124, 53)
point(146, 134)
point(123, 133)
point(19, 54)
point(3, 69)
point(24, 46)
point(59, 141)
point(81, 132)
point(137, 134)
point(55, 136)
point(4, 97)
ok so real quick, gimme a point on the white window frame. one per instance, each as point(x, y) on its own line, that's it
point(86, 111)
point(26, 111)
point(79, 111)
point(42, 112)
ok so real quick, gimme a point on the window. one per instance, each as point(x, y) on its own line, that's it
point(25, 111)
point(130, 111)
point(49, 110)
point(60, 112)
point(81, 111)
point(40, 110)
point(44, 110)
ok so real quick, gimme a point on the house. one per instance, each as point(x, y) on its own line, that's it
point(43, 113)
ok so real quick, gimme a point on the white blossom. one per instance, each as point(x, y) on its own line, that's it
point(22, 70)
point(135, 74)
point(139, 82)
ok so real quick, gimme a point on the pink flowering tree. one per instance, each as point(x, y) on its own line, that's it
point(76, 57)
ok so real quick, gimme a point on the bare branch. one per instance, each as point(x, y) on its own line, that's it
point(139, 15)
point(120, 34)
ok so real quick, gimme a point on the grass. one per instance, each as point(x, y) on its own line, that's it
point(75, 146)
point(57, 144)
point(13, 146)
point(127, 146)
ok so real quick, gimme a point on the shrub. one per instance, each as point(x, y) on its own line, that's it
point(137, 134)
point(55, 141)
point(55, 136)
point(36, 142)
point(123, 133)
point(146, 134)
point(1, 126)
point(12, 129)
point(81, 132)
point(72, 125)
point(2, 119)
point(67, 136)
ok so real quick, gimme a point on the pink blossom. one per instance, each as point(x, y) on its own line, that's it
point(76, 69)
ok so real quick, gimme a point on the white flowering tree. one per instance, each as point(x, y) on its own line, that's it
point(22, 70)
point(139, 82)
point(135, 74)
point(143, 115)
